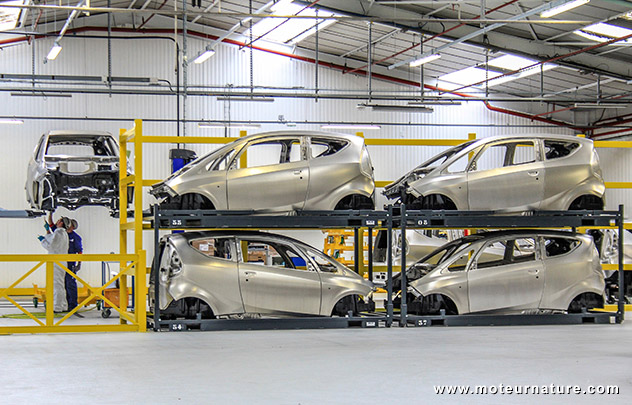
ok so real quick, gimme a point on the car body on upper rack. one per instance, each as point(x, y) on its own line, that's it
point(72, 169)
point(509, 174)
point(238, 273)
point(508, 272)
point(276, 172)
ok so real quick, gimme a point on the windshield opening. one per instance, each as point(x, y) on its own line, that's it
point(442, 158)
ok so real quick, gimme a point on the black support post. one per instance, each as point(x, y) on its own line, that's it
point(356, 250)
point(156, 265)
point(389, 267)
point(370, 256)
point(621, 303)
point(403, 307)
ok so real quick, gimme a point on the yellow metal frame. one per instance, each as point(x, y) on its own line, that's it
point(131, 264)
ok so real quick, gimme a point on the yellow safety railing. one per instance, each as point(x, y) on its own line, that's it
point(131, 265)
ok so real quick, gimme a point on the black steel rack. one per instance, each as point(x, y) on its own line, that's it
point(393, 217)
point(212, 219)
point(489, 219)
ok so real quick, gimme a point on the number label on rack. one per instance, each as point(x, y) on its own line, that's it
point(370, 222)
point(422, 222)
point(176, 222)
point(422, 322)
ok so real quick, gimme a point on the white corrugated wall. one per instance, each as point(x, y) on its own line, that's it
point(230, 66)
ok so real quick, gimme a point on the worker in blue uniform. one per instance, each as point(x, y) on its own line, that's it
point(75, 246)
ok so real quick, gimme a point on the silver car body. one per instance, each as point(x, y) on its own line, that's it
point(510, 174)
point(72, 169)
point(286, 171)
point(540, 271)
point(250, 272)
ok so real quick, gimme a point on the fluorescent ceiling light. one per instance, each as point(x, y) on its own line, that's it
point(293, 30)
point(426, 59)
point(511, 62)
point(391, 108)
point(32, 93)
point(227, 125)
point(564, 7)
point(11, 121)
point(602, 32)
point(599, 105)
point(436, 102)
point(10, 17)
point(203, 56)
point(54, 51)
point(350, 126)
point(464, 77)
point(246, 98)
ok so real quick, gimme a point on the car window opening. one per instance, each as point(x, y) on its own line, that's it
point(558, 149)
point(559, 246)
point(326, 147)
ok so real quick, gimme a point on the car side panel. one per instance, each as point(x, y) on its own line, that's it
point(334, 177)
point(451, 185)
point(335, 287)
point(568, 178)
point(517, 187)
point(511, 287)
point(569, 275)
point(215, 279)
point(280, 187)
point(211, 184)
point(271, 289)
point(451, 284)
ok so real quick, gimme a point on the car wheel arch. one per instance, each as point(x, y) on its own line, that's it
point(587, 201)
point(364, 199)
point(434, 201)
point(343, 295)
point(596, 300)
point(208, 300)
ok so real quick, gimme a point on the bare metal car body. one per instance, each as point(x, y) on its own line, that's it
point(72, 169)
point(536, 272)
point(510, 173)
point(276, 172)
point(223, 273)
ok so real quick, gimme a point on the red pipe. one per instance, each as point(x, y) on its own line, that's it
point(309, 60)
point(429, 39)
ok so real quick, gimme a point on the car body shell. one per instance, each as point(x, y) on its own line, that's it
point(305, 183)
point(73, 181)
point(546, 282)
point(551, 179)
point(233, 287)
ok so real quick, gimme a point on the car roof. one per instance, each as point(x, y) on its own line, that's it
point(77, 133)
point(520, 233)
point(534, 136)
point(348, 137)
point(189, 236)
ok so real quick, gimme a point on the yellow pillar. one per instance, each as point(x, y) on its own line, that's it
point(50, 293)
point(140, 306)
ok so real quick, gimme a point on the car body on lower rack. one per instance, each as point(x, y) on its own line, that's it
point(237, 274)
point(507, 272)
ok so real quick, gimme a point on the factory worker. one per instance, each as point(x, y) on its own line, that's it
point(56, 242)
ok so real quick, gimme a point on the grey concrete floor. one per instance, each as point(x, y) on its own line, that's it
point(367, 366)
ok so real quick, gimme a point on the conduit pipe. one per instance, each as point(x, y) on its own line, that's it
point(313, 61)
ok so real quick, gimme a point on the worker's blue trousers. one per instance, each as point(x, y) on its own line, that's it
point(71, 287)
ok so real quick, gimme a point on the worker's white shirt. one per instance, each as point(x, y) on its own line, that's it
point(56, 242)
